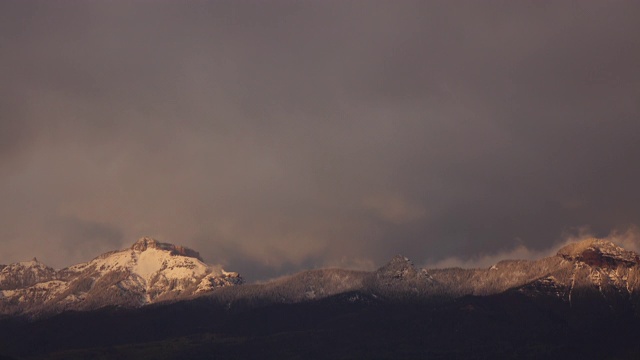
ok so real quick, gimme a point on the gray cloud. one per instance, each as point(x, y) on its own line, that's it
point(274, 136)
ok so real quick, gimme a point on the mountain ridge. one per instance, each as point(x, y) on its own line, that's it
point(150, 272)
point(580, 303)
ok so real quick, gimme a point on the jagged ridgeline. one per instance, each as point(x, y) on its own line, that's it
point(578, 273)
point(150, 272)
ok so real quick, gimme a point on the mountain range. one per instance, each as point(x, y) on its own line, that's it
point(157, 300)
point(150, 272)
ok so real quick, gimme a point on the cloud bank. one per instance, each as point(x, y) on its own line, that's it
point(281, 135)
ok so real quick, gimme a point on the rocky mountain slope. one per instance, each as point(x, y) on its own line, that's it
point(593, 268)
point(590, 267)
point(147, 272)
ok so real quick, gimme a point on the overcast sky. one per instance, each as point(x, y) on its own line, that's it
point(278, 136)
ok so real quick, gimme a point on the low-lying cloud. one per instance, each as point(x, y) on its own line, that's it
point(628, 239)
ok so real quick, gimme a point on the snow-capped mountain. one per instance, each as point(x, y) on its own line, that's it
point(145, 273)
point(24, 274)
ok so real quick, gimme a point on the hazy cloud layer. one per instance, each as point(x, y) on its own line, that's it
point(274, 136)
point(629, 239)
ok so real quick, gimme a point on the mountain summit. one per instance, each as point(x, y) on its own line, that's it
point(145, 243)
point(147, 272)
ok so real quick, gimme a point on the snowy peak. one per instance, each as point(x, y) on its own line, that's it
point(599, 253)
point(147, 272)
point(145, 243)
point(25, 273)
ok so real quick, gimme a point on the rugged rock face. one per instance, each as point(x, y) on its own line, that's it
point(24, 274)
point(401, 276)
point(148, 243)
point(147, 272)
point(399, 268)
point(599, 253)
